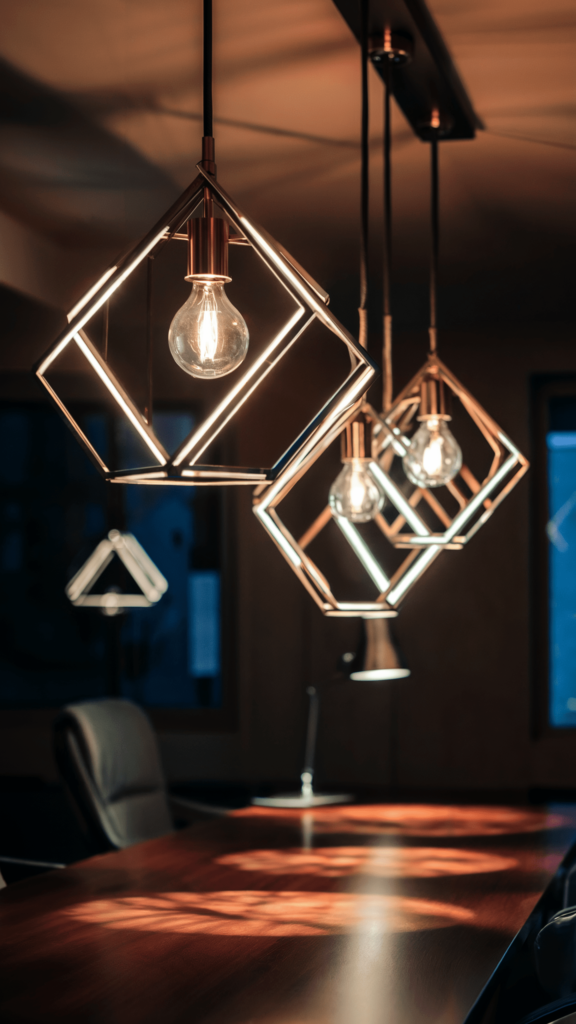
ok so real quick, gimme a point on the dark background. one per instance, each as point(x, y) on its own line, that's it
point(87, 166)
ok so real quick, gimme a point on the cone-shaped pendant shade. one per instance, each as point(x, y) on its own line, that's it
point(377, 657)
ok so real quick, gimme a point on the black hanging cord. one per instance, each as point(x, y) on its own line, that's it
point(207, 80)
point(387, 324)
point(149, 341)
point(106, 329)
point(364, 191)
point(435, 224)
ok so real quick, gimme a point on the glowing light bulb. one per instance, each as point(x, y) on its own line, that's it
point(355, 495)
point(434, 457)
point(208, 337)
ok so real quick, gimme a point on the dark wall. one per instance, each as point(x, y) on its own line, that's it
point(463, 719)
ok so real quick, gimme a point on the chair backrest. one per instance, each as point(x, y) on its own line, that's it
point(107, 753)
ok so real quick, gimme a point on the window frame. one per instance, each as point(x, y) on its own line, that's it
point(19, 389)
point(544, 387)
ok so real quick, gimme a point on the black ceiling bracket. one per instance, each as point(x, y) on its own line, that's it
point(427, 85)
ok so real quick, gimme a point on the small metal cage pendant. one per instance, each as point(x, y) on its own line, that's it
point(207, 239)
point(414, 509)
point(424, 518)
point(392, 587)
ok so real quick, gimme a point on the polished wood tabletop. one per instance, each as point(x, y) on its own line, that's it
point(363, 914)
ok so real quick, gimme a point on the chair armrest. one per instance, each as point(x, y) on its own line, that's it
point(18, 869)
point(189, 808)
point(49, 865)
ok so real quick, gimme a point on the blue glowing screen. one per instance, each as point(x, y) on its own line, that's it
point(561, 529)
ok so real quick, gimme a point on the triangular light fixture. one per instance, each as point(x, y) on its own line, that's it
point(140, 566)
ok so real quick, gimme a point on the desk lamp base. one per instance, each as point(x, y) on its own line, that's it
point(306, 798)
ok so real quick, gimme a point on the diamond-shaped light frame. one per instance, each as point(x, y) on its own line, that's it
point(311, 302)
point(392, 590)
point(477, 500)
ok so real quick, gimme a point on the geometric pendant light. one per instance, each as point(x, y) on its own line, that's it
point(414, 517)
point(208, 337)
point(448, 502)
point(142, 569)
point(448, 514)
point(388, 587)
point(183, 466)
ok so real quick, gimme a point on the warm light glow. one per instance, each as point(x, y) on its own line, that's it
point(420, 819)
point(398, 500)
point(359, 545)
point(265, 363)
point(94, 307)
point(208, 337)
point(354, 494)
point(378, 861)
point(434, 457)
point(131, 413)
point(415, 570)
point(90, 294)
point(379, 675)
point(270, 914)
point(466, 514)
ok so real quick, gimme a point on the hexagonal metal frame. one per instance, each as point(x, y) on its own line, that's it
point(507, 468)
point(183, 467)
point(392, 590)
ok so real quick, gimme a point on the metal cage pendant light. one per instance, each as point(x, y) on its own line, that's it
point(208, 337)
point(448, 503)
point(358, 493)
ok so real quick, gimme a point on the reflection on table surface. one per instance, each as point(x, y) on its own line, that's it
point(366, 914)
point(419, 819)
point(382, 861)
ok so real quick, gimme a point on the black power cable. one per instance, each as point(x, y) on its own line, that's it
point(207, 75)
point(364, 179)
point(435, 225)
point(387, 389)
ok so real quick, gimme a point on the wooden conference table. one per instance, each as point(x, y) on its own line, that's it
point(382, 914)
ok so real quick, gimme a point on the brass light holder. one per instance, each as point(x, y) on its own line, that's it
point(208, 249)
point(356, 439)
point(433, 404)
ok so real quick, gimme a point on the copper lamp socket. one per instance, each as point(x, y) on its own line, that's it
point(208, 249)
point(433, 400)
point(437, 126)
point(356, 439)
point(397, 47)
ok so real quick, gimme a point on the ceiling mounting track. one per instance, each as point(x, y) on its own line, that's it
point(427, 82)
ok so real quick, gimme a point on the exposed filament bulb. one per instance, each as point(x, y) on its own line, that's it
point(434, 457)
point(208, 337)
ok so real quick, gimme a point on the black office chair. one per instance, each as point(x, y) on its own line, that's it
point(107, 753)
